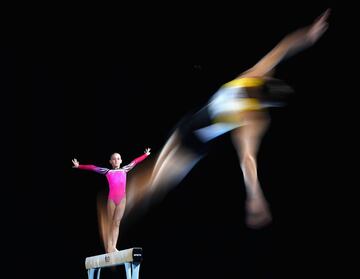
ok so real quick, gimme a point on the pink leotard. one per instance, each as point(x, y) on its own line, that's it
point(116, 178)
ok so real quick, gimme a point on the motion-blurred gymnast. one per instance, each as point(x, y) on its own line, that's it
point(110, 223)
point(239, 107)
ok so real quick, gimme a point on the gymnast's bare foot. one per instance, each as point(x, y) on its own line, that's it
point(111, 250)
point(257, 212)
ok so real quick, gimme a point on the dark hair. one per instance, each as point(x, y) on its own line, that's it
point(276, 91)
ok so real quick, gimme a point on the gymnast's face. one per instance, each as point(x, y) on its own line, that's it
point(115, 160)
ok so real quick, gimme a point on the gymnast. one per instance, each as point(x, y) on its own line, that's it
point(116, 201)
point(240, 107)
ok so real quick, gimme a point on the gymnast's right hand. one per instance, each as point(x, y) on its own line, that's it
point(75, 162)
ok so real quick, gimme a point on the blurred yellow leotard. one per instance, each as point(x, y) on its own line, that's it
point(232, 99)
point(224, 111)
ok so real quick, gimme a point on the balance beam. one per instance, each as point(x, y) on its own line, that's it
point(131, 258)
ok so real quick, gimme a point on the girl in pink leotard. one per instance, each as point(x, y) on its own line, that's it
point(117, 194)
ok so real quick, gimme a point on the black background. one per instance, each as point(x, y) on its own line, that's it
point(103, 79)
